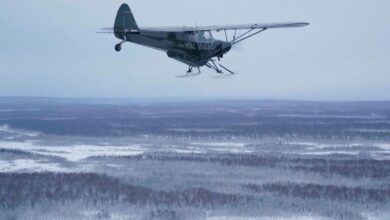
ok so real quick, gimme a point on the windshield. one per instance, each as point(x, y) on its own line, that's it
point(203, 37)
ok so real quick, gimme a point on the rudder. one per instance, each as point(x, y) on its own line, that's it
point(124, 22)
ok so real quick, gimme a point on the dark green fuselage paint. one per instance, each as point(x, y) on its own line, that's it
point(179, 46)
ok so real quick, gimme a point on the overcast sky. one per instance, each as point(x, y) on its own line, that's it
point(50, 48)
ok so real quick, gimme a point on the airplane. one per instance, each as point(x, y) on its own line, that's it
point(194, 46)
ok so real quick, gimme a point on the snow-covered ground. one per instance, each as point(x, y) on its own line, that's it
point(81, 151)
point(267, 161)
point(29, 165)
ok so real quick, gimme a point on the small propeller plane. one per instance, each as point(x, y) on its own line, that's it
point(194, 46)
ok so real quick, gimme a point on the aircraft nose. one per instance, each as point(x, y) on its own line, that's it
point(222, 49)
point(228, 47)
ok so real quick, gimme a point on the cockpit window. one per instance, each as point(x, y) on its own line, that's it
point(203, 37)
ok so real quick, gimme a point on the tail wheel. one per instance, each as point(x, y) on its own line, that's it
point(118, 47)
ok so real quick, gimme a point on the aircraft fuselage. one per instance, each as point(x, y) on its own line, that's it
point(180, 46)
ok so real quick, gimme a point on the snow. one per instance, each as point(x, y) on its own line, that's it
point(384, 146)
point(325, 153)
point(221, 144)
point(375, 116)
point(15, 133)
point(30, 166)
point(73, 152)
point(266, 218)
point(78, 152)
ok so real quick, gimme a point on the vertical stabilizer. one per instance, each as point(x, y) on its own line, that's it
point(124, 22)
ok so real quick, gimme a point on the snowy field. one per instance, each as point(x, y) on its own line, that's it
point(114, 159)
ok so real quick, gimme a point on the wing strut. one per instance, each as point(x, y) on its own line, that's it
point(246, 35)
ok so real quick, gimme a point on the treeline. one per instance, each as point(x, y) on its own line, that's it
point(226, 159)
point(327, 192)
point(198, 121)
point(18, 189)
point(354, 168)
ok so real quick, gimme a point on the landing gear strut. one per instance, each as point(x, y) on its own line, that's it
point(211, 64)
point(118, 47)
point(189, 69)
point(189, 73)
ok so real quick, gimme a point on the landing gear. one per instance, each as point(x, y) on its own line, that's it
point(118, 47)
point(189, 69)
point(189, 73)
point(214, 66)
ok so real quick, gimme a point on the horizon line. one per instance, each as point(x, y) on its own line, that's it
point(193, 99)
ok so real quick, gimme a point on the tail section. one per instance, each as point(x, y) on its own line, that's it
point(125, 22)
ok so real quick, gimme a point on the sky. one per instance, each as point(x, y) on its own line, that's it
point(51, 49)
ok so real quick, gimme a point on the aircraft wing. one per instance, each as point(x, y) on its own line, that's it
point(227, 27)
point(218, 27)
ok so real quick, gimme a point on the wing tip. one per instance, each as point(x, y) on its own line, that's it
point(305, 24)
point(297, 24)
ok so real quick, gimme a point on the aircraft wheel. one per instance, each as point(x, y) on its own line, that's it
point(118, 47)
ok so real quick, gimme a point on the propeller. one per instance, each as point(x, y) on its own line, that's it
point(238, 47)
